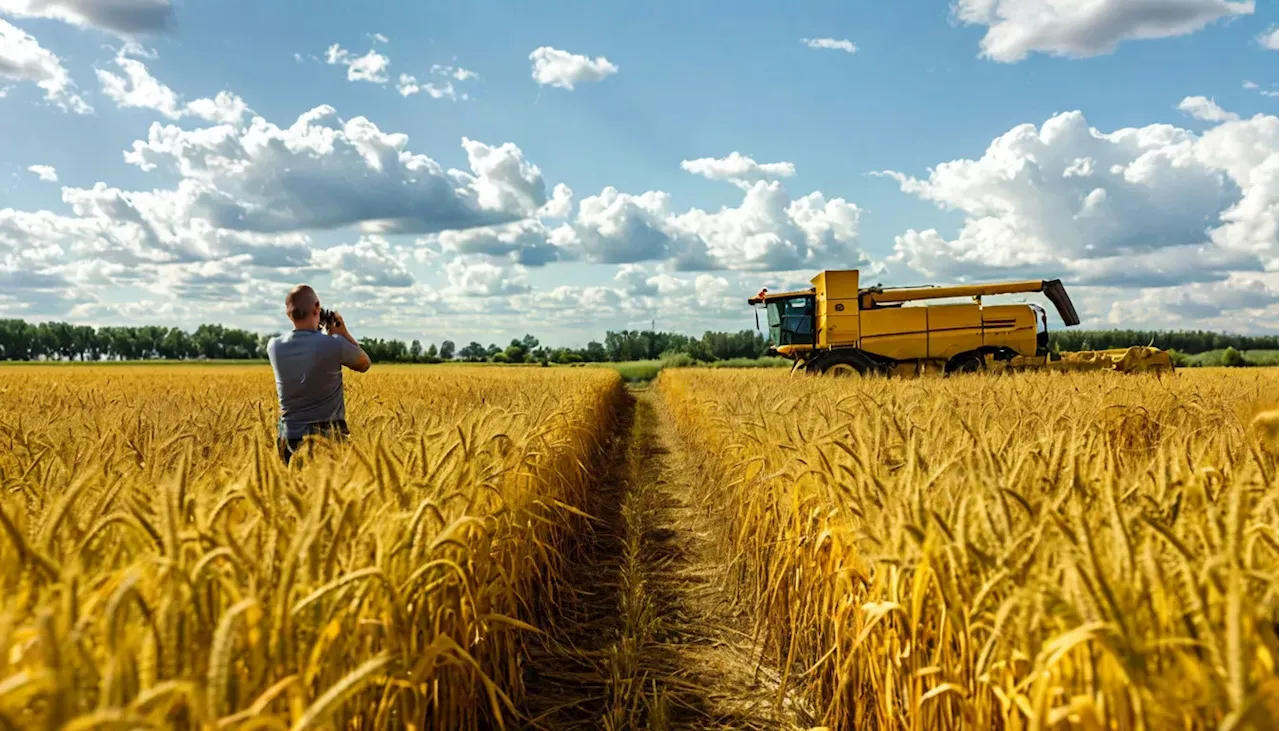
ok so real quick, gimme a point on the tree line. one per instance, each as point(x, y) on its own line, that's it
point(20, 340)
point(1183, 341)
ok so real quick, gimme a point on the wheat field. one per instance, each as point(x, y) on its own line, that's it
point(1027, 551)
point(1040, 551)
point(160, 568)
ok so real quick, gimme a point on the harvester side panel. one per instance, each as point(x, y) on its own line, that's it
point(901, 333)
point(836, 308)
point(954, 329)
point(1010, 326)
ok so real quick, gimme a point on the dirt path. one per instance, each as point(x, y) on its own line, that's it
point(648, 641)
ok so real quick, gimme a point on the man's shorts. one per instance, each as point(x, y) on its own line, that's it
point(335, 430)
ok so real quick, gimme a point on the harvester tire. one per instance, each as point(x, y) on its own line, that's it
point(844, 364)
point(971, 362)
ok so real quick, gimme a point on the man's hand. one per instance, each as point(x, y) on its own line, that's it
point(340, 329)
point(340, 326)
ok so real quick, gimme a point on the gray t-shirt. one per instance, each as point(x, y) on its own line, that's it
point(308, 367)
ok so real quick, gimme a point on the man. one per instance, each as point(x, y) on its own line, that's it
point(308, 368)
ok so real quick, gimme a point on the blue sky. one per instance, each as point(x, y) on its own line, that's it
point(1147, 182)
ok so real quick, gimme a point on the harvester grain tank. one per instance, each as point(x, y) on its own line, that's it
point(840, 328)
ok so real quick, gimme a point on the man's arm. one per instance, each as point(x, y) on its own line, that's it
point(352, 357)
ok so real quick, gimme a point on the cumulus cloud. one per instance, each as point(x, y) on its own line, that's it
point(843, 44)
point(135, 87)
point(408, 85)
point(47, 173)
point(738, 169)
point(561, 203)
point(564, 70)
point(1017, 28)
point(326, 172)
point(1271, 39)
point(138, 88)
point(370, 262)
point(768, 231)
point(443, 88)
point(121, 17)
point(22, 58)
point(1253, 86)
point(1205, 109)
point(525, 242)
point(1068, 200)
point(1236, 303)
point(480, 276)
point(371, 67)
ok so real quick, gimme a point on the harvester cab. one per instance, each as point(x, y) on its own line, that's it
point(839, 328)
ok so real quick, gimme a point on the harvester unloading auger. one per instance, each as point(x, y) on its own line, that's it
point(835, 327)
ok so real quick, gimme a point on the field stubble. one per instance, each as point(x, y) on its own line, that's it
point(1034, 551)
point(159, 567)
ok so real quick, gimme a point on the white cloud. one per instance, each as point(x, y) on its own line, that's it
point(370, 262)
point(1205, 109)
point(326, 172)
point(379, 38)
point(408, 85)
point(1159, 203)
point(1271, 39)
point(47, 173)
point(1016, 28)
point(524, 242)
point(738, 169)
point(1253, 86)
point(457, 73)
point(138, 89)
point(553, 67)
point(22, 58)
point(768, 231)
point(371, 67)
point(225, 108)
point(480, 276)
point(561, 203)
point(843, 44)
point(121, 17)
point(1237, 303)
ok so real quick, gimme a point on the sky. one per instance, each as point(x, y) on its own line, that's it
point(476, 171)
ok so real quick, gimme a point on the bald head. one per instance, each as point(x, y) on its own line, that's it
point(301, 303)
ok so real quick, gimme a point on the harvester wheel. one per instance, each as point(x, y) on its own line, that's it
point(844, 364)
point(842, 370)
point(967, 363)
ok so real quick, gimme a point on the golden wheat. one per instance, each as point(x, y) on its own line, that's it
point(1026, 552)
point(159, 567)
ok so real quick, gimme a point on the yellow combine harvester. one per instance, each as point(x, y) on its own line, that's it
point(839, 328)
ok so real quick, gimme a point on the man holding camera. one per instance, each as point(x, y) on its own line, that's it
point(308, 369)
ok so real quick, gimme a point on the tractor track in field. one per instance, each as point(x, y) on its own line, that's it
point(648, 639)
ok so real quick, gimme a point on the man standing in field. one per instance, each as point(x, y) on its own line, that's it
point(308, 368)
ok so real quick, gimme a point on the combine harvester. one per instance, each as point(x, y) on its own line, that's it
point(837, 328)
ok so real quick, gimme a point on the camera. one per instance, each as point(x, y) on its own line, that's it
point(328, 320)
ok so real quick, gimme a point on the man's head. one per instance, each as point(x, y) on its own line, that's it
point(303, 307)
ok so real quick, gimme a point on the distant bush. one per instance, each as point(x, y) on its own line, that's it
point(764, 362)
point(1232, 358)
point(678, 360)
